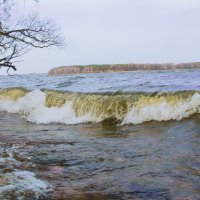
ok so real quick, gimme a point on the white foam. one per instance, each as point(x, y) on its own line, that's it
point(18, 183)
point(163, 111)
point(32, 107)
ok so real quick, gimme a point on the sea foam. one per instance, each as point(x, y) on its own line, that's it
point(163, 111)
point(16, 183)
point(32, 107)
point(53, 107)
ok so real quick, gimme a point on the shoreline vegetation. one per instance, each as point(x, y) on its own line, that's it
point(78, 69)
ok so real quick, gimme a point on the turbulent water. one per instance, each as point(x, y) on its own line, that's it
point(132, 135)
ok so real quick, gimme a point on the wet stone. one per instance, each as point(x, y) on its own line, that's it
point(149, 193)
point(8, 170)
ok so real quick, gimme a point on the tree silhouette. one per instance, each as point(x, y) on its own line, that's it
point(19, 35)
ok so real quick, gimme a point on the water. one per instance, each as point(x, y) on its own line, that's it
point(100, 136)
point(146, 81)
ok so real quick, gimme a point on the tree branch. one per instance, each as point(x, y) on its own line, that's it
point(17, 38)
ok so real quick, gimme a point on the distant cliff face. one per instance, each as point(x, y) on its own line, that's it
point(120, 67)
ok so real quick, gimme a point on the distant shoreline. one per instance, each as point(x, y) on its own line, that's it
point(79, 69)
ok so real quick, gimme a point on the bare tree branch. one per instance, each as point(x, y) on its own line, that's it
point(18, 37)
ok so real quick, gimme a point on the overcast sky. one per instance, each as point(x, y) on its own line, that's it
point(117, 31)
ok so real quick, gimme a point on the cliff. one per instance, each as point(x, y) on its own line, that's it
point(121, 67)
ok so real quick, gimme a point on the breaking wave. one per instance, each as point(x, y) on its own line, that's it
point(73, 108)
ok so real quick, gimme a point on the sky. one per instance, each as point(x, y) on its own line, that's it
point(116, 31)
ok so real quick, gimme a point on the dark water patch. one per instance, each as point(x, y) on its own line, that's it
point(110, 122)
point(64, 84)
point(144, 192)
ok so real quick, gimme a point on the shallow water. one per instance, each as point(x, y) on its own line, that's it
point(105, 160)
point(148, 161)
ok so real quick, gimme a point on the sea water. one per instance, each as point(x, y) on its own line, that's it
point(131, 135)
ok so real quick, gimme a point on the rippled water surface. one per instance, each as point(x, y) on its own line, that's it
point(152, 160)
point(110, 82)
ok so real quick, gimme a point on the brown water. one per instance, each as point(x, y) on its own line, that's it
point(101, 161)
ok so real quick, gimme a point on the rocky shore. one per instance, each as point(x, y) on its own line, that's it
point(120, 67)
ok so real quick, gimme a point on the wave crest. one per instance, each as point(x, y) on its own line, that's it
point(72, 108)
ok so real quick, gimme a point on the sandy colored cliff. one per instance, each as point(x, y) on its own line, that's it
point(120, 67)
